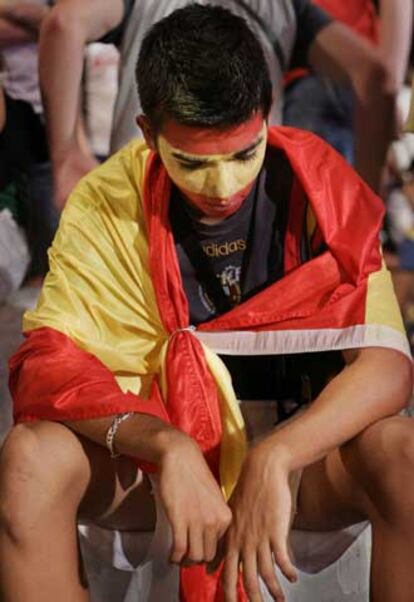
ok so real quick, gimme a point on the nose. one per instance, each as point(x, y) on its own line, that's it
point(222, 181)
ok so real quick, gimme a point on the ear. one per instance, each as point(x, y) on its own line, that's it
point(145, 127)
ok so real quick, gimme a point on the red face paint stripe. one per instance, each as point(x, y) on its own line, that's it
point(211, 140)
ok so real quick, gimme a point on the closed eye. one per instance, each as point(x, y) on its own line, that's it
point(191, 165)
point(241, 158)
point(246, 157)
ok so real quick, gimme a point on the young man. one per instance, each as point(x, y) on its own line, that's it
point(218, 235)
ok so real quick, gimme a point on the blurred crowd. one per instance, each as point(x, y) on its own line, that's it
point(341, 69)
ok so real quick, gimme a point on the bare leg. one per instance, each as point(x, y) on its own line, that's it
point(47, 476)
point(370, 477)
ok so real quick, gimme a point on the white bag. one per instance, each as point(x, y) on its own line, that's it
point(14, 255)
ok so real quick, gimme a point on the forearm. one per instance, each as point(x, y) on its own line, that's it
point(141, 436)
point(12, 34)
point(61, 51)
point(377, 384)
point(374, 128)
point(26, 14)
point(51, 378)
point(340, 54)
point(396, 23)
point(375, 120)
point(64, 34)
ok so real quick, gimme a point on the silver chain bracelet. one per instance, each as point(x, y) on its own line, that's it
point(111, 432)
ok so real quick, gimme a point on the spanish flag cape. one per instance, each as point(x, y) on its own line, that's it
point(111, 331)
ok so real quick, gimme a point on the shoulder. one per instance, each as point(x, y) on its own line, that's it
point(316, 163)
point(286, 137)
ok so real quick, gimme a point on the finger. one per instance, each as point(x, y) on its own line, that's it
point(210, 544)
point(229, 576)
point(195, 554)
point(283, 561)
point(179, 542)
point(250, 576)
point(267, 571)
point(220, 552)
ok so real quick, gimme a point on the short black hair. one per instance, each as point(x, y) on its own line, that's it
point(202, 66)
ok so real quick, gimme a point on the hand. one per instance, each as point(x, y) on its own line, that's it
point(194, 504)
point(258, 536)
point(25, 14)
point(68, 171)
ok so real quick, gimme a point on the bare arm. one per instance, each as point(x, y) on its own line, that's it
point(26, 14)
point(12, 34)
point(70, 25)
point(396, 24)
point(376, 383)
point(141, 436)
point(183, 475)
point(339, 53)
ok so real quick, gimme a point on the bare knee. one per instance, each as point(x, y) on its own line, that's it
point(381, 459)
point(41, 472)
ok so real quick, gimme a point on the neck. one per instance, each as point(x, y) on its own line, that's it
point(211, 221)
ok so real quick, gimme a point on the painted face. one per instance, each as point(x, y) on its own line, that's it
point(214, 169)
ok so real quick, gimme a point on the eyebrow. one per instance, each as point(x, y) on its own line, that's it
point(205, 158)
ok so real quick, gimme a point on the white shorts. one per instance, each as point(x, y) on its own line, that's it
point(146, 554)
point(312, 551)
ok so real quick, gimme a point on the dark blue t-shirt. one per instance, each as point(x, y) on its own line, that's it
point(243, 253)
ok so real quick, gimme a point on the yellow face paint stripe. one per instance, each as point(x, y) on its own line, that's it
point(221, 176)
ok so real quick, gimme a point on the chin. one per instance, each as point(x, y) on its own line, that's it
point(218, 207)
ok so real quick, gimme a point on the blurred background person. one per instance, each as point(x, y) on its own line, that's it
point(25, 180)
point(329, 109)
point(25, 170)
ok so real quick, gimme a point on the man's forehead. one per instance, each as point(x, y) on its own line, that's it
point(212, 141)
